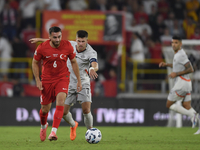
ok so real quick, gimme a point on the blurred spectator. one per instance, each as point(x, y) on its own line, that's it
point(189, 26)
point(192, 6)
point(18, 90)
point(141, 14)
point(166, 38)
point(170, 20)
point(178, 7)
point(2, 3)
point(20, 50)
point(137, 48)
point(158, 27)
point(176, 29)
point(14, 4)
point(155, 49)
point(52, 5)
point(163, 8)
point(28, 33)
point(148, 5)
point(134, 5)
point(77, 5)
point(112, 59)
point(98, 5)
point(40, 5)
point(128, 17)
point(114, 8)
point(110, 85)
point(119, 4)
point(141, 26)
point(196, 34)
point(27, 9)
point(5, 54)
point(9, 20)
point(153, 15)
point(145, 35)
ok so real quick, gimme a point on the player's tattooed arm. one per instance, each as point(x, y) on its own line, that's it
point(35, 40)
point(188, 69)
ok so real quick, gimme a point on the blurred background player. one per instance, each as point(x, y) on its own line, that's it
point(55, 77)
point(86, 56)
point(182, 88)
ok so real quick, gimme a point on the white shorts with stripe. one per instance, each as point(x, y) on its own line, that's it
point(181, 90)
point(83, 96)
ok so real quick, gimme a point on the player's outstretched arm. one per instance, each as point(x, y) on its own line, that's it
point(163, 64)
point(35, 40)
point(35, 68)
point(93, 70)
point(76, 72)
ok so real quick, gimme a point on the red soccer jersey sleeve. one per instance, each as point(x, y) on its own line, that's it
point(54, 65)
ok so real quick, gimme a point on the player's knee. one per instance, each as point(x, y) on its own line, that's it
point(86, 111)
point(45, 110)
point(60, 102)
point(65, 112)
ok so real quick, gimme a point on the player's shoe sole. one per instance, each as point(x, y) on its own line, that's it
point(73, 131)
point(43, 133)
point(52, 136)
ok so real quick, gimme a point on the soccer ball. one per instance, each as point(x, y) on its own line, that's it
point(93, 136)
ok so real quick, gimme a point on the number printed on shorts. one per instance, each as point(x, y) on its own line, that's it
point(54, 64)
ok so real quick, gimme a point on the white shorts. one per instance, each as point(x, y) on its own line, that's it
point(83, 96)
point(179, 96)
point(181, 90)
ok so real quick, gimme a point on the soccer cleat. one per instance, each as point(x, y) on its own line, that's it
point(194, 120)
point(198, 132)
point(43, 133)
point(52, 136)
point(73, 131)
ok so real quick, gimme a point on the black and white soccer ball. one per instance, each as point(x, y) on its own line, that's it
point(93, 136)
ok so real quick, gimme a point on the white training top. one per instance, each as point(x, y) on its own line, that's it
point(83, 59)
point(180, 59)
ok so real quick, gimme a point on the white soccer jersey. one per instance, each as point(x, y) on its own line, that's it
point(180, 59)
point(83, 59)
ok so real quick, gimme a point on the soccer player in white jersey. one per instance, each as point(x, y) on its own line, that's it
point(182, 88)
point(86, 56)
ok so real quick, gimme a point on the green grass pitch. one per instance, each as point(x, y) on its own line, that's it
point(113, 138)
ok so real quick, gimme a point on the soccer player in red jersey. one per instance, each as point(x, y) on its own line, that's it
point(54, 79)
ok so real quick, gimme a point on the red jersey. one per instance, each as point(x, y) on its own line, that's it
point(54, 65)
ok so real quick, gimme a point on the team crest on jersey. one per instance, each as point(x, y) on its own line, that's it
point(62, 56)
point(82, 56)
point(55, 55)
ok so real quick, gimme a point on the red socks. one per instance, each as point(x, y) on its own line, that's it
point(43, 117)
point(58, 116)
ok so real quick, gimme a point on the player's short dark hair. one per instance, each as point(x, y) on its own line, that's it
point(176, 37)
point(82, 34)
point(54, 29)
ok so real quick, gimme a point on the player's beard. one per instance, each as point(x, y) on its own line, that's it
point(176, 48)
point(56, 44)
point(81, 48)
